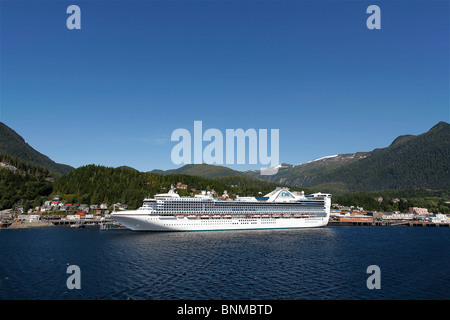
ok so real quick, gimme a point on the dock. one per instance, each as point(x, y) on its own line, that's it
point(427, 224)
point(388, 223)
point(28, 224)
point(105, 224)
point(359, 223)
point(111, 225)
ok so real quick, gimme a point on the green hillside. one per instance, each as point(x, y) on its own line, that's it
point(14, 145)
point(94, 184)
point(409, 162)
point(412, 162)
point(22, 183)
point(397, 200)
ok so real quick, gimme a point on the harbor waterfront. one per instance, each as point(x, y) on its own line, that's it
point(317, 263)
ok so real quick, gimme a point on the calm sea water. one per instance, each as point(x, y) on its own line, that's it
point(325, 263)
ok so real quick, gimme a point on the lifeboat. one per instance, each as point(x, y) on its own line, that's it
point(180, 216)
point(256, 216)
point(276, 215)
point(286, 215)
point(192, 216)
point(265, 216)
point(216, 215)
point(204, 216)
point(227, 216)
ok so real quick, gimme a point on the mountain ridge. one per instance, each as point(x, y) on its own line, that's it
point(12, 144)
point(203, 170)
point(410, 161)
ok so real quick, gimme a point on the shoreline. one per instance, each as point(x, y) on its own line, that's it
point(29, 225)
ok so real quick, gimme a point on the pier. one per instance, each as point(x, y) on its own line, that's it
point(69, 222)
point(111, 225)
point(105, 224)
point(427, 224)
point(359, 223)
point(388, 223)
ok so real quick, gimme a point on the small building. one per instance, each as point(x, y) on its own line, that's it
point(181, 186)
point(398, 216)
point(359, 218)
point(417, 210)
point(73, 217)
point(438, 218)
point(29, 217)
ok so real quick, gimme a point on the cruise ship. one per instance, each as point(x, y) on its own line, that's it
point(279, 209)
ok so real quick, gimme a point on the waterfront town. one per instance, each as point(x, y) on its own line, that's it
point(58, 212)
point(358, 216)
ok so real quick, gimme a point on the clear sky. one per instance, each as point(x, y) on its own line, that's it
point(113, 92)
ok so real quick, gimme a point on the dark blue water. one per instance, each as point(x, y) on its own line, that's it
point(325, 263)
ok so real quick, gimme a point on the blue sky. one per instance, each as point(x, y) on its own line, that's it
point(113, 92)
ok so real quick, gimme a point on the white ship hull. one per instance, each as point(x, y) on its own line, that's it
point(280, 209)
point(137, 221)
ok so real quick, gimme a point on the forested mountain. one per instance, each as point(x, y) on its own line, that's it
point(14, 145)
point(21, 182)
point(98, 184)
point(397, 200)
point(409, 162)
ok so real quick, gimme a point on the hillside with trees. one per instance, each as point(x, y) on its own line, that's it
point(15, 146)
point(22, 183)
point(420, 161)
